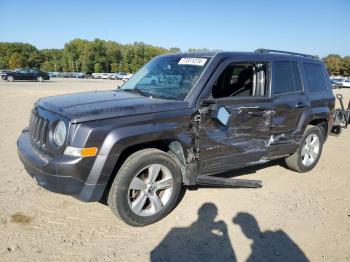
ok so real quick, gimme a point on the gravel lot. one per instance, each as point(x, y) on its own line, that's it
point(299, 215)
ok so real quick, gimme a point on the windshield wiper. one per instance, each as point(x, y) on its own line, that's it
point(137, 90)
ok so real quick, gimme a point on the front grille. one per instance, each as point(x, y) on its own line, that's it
point(38, 129)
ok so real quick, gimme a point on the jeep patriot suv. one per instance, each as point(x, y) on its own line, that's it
point(202, 114)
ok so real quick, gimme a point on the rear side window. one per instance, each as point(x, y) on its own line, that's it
point(315, 77)
point(286, 78)
point(296, 77)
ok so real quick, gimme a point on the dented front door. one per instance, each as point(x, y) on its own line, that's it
point(242, 141)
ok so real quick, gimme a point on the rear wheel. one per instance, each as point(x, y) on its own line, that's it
point(10, 78)
point(146, 187)
point(39, 79)
point(309, 151)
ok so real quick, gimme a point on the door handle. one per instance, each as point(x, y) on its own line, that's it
point(300, 105)
point(256, 113)
point(261, 113)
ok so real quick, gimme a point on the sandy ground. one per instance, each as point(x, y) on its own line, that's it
point(299, 215)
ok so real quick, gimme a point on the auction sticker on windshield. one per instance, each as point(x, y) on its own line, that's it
point(192, 61)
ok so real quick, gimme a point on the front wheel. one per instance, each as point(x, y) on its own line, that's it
point(309, 151)
point(39, 79)
point(146, 187)
point(10, 78)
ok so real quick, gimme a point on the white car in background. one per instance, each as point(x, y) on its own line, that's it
point(112, 76)
point(104, 76)
point(345, 83)
point(123, 76)
point(96, 75)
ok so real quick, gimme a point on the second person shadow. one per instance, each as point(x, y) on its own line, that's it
point(268, 245)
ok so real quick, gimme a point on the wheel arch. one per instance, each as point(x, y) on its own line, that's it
point(322, 123)
point(174, 147)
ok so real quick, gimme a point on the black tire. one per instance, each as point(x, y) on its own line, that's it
point(294, 162)
point(39, 79)
point(119, 195)
point(10, 78)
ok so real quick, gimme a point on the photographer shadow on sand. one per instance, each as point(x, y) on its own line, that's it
point(208, 240)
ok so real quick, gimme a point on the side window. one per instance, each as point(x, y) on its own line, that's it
point(286, 78)
point(296, 77)
point(246, 79)
point(282, 80)
point(315, 77)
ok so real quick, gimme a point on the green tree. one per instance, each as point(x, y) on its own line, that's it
point(47, 66)
point(15, 61)
point(334, 64)
point(108, 56)
point(346, 65)
point(114, 67)
point(174, 50)
point(98, 68)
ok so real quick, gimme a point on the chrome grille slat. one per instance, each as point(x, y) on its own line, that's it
point(31, 124)
point(43, 132)
point(34, 125)
point(38, 128)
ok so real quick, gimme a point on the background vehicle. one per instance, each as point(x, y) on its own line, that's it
point(88, 75)
point(27, 74)
point(54, 74)
point(104, 76)
point(3, 74)
point(345, 83)
point(78, 75)
point(113, 76)
point(212, 113)
point(96, 75)
point(123, 76)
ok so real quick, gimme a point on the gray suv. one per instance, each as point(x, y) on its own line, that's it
point(204, 113)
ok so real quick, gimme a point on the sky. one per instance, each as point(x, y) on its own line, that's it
point(309, 26)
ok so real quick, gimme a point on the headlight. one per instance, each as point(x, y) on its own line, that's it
point(60, 133)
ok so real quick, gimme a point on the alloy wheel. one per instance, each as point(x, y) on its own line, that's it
point(310, 150)
point(150, 190)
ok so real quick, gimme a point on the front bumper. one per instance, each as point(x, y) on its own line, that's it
point(62, 174)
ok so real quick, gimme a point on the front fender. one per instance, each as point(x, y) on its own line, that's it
point(166, 126)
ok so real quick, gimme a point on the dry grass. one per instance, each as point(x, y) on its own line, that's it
point(20, 218)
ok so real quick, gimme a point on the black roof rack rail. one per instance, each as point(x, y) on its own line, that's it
point(262, 50)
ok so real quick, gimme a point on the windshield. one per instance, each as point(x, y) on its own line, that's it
point(168, 77)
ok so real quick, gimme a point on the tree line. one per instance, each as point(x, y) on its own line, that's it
point(98, 55)
point(80, 55)
point(337, 65)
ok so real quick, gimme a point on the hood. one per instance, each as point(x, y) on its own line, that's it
point(87, 106)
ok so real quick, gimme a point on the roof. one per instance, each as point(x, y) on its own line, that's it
point(258, 54)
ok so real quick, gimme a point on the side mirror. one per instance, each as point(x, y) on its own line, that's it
point(222, 115)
